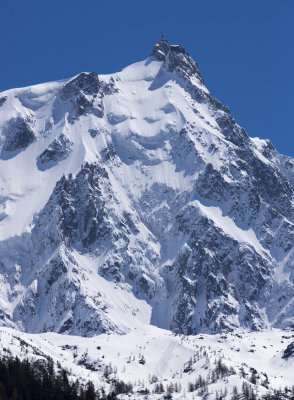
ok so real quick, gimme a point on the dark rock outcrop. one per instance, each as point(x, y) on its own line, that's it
point(57, 151)
point(19, 134)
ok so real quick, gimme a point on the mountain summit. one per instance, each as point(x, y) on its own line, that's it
point(135, 198)
point(161, 49)
point(175, 58)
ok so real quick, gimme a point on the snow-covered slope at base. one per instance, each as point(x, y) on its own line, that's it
point(136, 197)
point(167, 358)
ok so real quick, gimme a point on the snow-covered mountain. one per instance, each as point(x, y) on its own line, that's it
point(135, 198)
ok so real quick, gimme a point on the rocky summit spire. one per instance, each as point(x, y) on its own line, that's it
point(161, 49)
point(175, 58)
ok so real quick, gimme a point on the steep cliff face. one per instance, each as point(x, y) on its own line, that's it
point(136, 198)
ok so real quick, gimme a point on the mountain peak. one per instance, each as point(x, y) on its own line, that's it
point(162, 48)
point(175, 58)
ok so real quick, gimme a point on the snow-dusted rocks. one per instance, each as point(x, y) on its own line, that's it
point(2, 100)
point(57, 151)
point(84, 93)
point(289, 352)
point(136, 198)
point(17, 135)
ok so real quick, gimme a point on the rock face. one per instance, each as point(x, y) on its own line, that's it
point(143, 201)
point(2, 100)
point(289, 352)
point(84, 93)
point(58, 150)
point(18, 134)
point(176, 59)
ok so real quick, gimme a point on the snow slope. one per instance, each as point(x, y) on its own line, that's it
point(171, 359)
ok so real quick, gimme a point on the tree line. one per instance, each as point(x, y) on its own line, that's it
point(35, 380)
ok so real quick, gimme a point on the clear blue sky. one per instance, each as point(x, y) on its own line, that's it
point(245, 49)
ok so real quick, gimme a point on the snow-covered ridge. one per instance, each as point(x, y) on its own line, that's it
point(135, 198)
